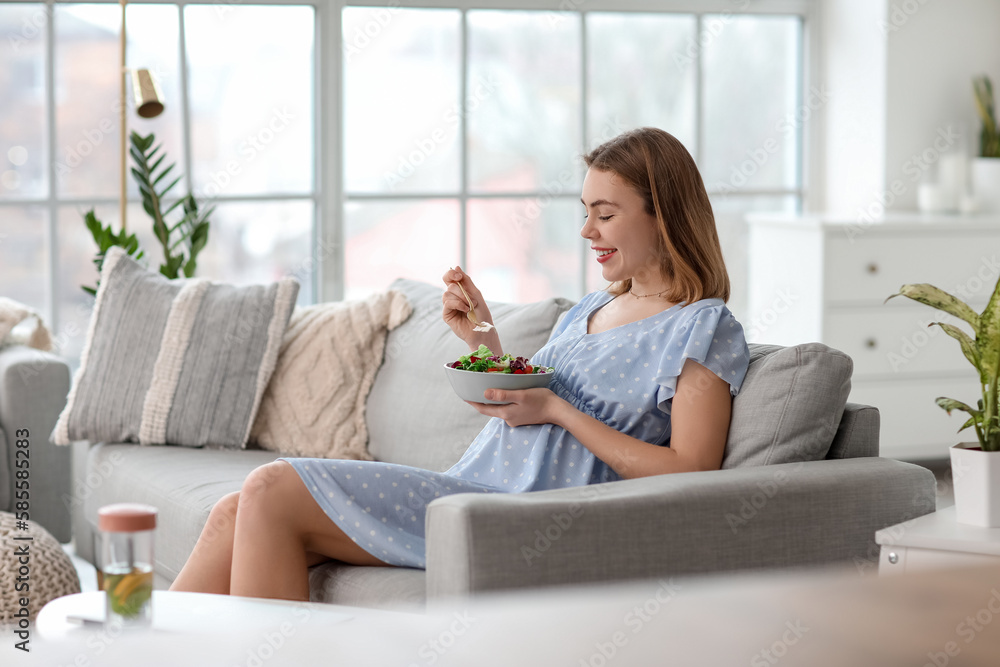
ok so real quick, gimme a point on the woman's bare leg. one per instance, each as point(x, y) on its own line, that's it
point(278, 526)
point(209, 567)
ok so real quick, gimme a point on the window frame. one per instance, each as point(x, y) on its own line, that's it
point(328, 195)
point(52, 201)
point(809, 133)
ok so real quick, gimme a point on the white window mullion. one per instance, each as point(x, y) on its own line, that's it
point(53, 204)
point(329, 95)
point(185, 99)
point(585, 120)
point(811, 168)
point(316, 253)
point(463, 133)
point(699, 98)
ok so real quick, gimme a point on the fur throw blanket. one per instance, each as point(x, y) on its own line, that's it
point(13, 313)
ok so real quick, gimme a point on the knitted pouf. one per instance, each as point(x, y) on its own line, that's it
point(50, 571)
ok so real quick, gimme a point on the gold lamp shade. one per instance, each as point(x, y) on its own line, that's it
point(148, 98)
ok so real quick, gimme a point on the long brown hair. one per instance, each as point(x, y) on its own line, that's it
point(661, 170)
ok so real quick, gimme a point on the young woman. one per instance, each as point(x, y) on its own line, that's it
point(644, 379)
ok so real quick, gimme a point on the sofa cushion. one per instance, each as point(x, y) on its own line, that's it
point(182, 483)
point(396, 588)
point(431, 430)
point(789, 406)
point(314, 405)
point(183, 362)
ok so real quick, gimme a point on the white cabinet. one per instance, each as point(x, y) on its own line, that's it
point(824, 278)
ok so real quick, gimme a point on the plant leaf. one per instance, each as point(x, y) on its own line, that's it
point(988, 339)
point(968, 422)
point(938, 298)
point(949, 404)
point(165, 190)
point(156, 164)
point(171, 208)
point(141, 142)
point(164, 173)
point(138, 157)
point(969, 348)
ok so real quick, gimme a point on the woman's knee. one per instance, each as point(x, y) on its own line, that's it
point(273, 488)
point(222, 518)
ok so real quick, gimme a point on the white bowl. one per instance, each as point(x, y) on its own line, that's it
point(470, 385)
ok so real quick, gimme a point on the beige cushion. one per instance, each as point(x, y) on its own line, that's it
point(414, 418)
point(315, 402)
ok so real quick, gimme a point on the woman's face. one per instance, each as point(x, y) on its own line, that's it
point(622, 234)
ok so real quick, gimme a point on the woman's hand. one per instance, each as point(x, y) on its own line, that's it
point(527, 406)
point(456, 310)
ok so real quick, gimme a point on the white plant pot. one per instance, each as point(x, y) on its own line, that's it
point(986, 183)
point(976, 478)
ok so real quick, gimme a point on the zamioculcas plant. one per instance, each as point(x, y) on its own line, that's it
point(106, 238)
point(182, 237)
point(983, 352)
point(190, 233)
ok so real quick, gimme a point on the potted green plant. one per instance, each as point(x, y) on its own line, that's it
point(986, 167)
point(975, 466)
point(182, 235)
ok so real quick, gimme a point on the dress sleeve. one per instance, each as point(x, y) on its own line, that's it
point(710, 336)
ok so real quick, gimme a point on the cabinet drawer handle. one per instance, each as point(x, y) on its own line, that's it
point(872, 268)
point(871, 343)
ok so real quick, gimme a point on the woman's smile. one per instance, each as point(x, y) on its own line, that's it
point(604, 254)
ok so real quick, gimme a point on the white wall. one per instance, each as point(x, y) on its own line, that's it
point(898, 72)
point(853, 70)
point(932, 56)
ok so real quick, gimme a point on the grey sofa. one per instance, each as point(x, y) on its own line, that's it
point(745, 516)
point(33, 388)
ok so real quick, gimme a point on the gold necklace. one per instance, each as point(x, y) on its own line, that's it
point(643, 296)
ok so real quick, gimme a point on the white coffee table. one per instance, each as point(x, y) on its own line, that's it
point(934, 541)
point(206, 629)
point(198, 613)
point(812, 618)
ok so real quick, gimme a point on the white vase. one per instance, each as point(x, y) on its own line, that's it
point(986, 183)
point(976, 480)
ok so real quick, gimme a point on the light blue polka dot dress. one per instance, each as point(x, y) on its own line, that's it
point(625, 377)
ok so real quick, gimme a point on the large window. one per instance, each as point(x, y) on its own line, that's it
point(463, 130)
point(350, 145)
point(238, 81)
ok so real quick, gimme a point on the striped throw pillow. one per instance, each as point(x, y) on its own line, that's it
point(180, 362)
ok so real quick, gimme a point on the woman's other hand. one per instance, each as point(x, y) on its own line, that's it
point(526, 406)
point(456, 311)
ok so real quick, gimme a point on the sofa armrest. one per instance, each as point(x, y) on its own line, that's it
point(792, 514)
point(857, 434)
point(33, 390)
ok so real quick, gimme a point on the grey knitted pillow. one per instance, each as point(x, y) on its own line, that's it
point(182, 362)
point(789, 406)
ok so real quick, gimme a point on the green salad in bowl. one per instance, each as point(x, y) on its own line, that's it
point(484, 361)
point(480, 370)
